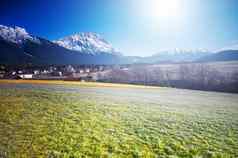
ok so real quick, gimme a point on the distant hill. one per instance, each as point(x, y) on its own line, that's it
point(177, 55)
point(226, 55)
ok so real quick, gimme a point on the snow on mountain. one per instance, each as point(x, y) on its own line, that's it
point(231, 47)
point(90, 43)
point(178, 51)
point(15, 34)
point(179, 55)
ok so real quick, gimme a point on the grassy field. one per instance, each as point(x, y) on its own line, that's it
point(69, 119)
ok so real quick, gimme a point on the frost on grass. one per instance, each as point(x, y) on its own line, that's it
point(71, 121)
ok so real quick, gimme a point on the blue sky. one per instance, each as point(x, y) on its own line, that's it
point(135, 27)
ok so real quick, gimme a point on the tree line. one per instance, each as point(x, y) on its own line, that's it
point(199, 76)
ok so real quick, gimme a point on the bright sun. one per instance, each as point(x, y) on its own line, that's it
point(161, 8)
point(165, 8)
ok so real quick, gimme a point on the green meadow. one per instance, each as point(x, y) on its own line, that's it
point(54, 121)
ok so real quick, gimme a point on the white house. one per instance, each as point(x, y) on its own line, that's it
point(26, 76)
point(87, 70)
point(81, 71)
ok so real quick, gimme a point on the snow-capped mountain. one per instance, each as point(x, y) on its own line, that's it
point(177, 51)
point(90, 43)
point(177, 55)
point(17, 46)
point(230, 47)
point(16, 34)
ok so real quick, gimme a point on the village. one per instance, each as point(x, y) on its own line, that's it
point(67, 72)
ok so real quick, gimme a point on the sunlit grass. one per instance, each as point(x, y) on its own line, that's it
point(78, 83)
point(45, 123)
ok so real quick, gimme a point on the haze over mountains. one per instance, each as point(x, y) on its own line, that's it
point(17, 46)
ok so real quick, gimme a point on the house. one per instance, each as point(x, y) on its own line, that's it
point(45, 72)
point(52, 69)
point(87, 70)
point(26, 76)
point(81, 71)
point(36, 72)
point(20, 72)
point(78, 75)
point(56, 73)
point(13, 73)
point(60, 73)
point(70, 69)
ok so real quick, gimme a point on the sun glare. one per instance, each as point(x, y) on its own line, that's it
point(165, 8)
point(161, 8)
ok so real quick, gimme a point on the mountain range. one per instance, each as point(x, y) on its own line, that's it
point(89, 43)
point(17, 46)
